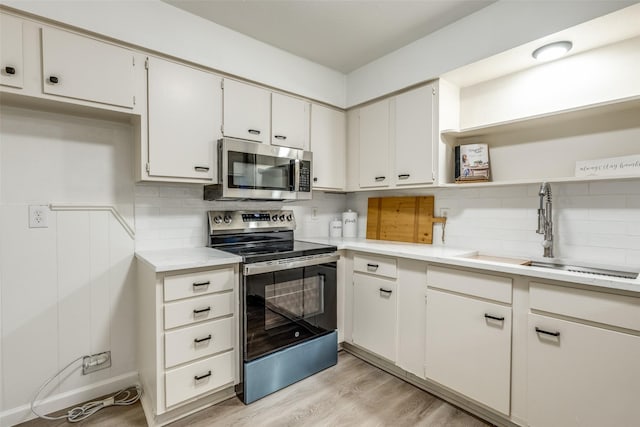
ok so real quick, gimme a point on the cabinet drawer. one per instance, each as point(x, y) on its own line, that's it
point(471, 283)
point(610, 309)
point(198, 341)
point(187, 382)
point(379, 265)
point(194, 284)
point(198, 309)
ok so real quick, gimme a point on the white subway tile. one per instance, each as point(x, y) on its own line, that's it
point(615, 187)
point(633, 259)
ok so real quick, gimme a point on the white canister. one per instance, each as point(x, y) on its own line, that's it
point(335, 228)
point(349, 224)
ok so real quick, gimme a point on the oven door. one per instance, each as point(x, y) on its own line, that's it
point(258, 171)
point(286, 302)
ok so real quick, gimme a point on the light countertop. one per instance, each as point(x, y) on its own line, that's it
point(461, 257)
point(180, 259)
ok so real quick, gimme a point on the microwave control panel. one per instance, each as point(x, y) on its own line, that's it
point(305, 176)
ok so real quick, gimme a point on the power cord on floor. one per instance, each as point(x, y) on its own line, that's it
point(126, 396)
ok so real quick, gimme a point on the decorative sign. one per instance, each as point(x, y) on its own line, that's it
point(614, 166)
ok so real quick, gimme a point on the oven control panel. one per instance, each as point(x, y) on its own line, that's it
point(221, 221)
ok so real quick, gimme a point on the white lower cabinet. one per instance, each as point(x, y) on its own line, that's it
point(412, 292)
point(374, 314)
point(468, 347)
point(188, 332)
point(579, 373)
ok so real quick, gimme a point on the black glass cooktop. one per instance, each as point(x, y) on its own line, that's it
point(257, 247)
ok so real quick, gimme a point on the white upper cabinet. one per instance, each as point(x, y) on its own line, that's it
point(247, 111)
point(83, 68)
point(289, 121)
point(184, 107)
point(374, 145)
point(414, 136)
point(328, 144)
point(396, 140)
point(11, 55)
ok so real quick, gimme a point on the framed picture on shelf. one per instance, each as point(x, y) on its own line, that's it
point(472, 163)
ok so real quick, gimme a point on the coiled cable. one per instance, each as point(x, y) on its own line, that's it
point(126, 396)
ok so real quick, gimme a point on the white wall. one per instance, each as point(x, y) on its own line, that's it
point(174, 215)
point(67, 290)
point(158, 26)
point(496, 28)
point(595, 222)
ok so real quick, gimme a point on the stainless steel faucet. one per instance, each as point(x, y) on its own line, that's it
point(545, 219)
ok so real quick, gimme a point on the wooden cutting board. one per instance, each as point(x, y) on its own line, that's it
point(401, 219)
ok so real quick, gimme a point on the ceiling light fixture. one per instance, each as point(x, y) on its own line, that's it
point(552, 50)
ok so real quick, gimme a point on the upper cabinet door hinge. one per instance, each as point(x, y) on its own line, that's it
point(433, 90)
point(134, 100)
point(147, 167)
point(222, 129)
point(222, 84)
point(146, 64)
point(133, 61)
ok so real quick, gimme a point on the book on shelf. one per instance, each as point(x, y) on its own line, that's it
point(472, 163)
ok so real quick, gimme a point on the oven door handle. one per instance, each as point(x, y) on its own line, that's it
point(288, 263)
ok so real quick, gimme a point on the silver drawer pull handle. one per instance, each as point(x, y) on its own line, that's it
point(542, 331)
point(201, 377)
point(380, 178)
point(201, 168)
point(387, 292)
point(281, 137)
point(202, 310)
point(404, 176)
point(488, 316)
point(372, 267)
point(199, 340)
point(198, 284)
point(254, 131)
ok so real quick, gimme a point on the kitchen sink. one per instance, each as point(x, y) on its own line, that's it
point(586, 270)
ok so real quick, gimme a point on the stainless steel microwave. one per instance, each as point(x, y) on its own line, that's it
point(250, 170)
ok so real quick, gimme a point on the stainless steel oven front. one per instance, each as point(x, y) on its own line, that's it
point(250, 170)
point(289, 317)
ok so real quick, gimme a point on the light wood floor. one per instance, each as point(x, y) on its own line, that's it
point(353, 393)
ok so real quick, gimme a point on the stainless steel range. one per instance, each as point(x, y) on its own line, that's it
point(287, 299)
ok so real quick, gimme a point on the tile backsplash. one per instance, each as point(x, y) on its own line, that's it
point(174, 215)
point(597, 222)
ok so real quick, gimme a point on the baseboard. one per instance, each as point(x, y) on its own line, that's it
point(69, 398)
point(430, 387)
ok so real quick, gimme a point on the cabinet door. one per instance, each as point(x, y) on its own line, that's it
point(328, 143)
point(414, 136)
point(11, 60)
point(246, 111)
point(412, 292)
point(374, 145)
point(374, 315)
point(468, 350)
point(83, 68)
point(289, 122)
point(184, 121)
point(586, 376)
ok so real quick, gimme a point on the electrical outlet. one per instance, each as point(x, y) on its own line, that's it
point(444, 212)
point(38, 216)
point(314, 214)
point(96, 362)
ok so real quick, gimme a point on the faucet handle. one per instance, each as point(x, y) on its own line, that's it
point(541, 221)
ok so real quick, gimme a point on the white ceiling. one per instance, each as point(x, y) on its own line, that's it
point(342, 35)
